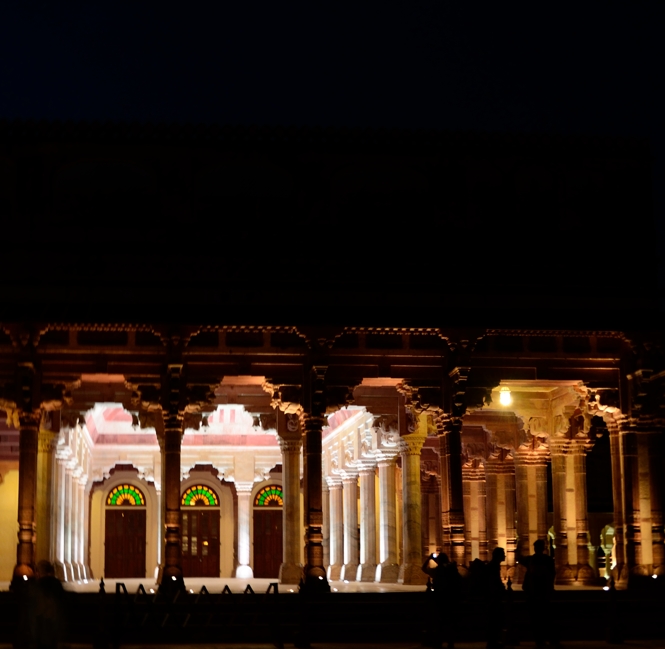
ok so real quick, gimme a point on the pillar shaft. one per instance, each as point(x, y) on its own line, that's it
point(290, 572)
point(27, 496)
point(388, 569)
point(531, 492)
point(618, 551)
point(571, 527)
point(500, 485)
point(641, 456)
point(452, 495)
point(244, 492)
point(351, 554)
point(336, 529)
point(46, 505)
point(475, 519)
point(410, 570)
point(171, 472)
point(367, 568)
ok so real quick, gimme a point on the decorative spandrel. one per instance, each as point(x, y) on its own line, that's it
point(125, 495)
point(270, 496)
point(199, 496)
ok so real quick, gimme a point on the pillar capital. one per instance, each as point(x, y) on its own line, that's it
point(411, 444)
point(290, 445)
point(244, 487)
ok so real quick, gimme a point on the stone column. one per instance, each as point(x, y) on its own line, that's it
point(473, 478)
point(500, 485)
point(290, 572)
point(367, 568)
point(571, 527)
point(325, 527)
point(531, 491)
point(46, 505)
point(315, 574)
point(244, 491)
point(336, 529)
point(410, 571)
point(83, 519)
point(68, 521)
point(642, 466)
point(388, 569)
point(27, 495)
point(75, 524)
point(452, 498)
point(351, 558)
point(60, 489)
point(171, 471)
point(618, 551)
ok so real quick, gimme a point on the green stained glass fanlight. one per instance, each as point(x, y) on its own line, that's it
point(270, 496)
point(198, 495)
point(125, 494)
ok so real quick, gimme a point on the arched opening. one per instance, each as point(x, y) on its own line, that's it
point(125, 532)
point(199, 520)
point(268, 505)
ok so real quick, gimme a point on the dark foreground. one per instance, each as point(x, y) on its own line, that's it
point(275, 619)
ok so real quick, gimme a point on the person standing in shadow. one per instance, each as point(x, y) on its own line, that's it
point(539, 587)
point(495, 594)
point(447, 593)
point(49, 607)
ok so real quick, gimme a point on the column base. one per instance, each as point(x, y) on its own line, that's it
point(334, 572)
point(69, 571)
point(314, 584)
point(244, 572)
point(290, 573)
point(172, 580)
point(60, 571)
point(22, 570)
point(387, 573)
point(409, 573)
point(366, 572)
point(349, 572)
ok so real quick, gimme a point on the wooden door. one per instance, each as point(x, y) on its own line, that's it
point(267, 542)
point(124, 547)
point(200, 542)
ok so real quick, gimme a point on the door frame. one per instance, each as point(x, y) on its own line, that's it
point(257, 487)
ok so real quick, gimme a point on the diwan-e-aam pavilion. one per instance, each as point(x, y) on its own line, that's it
point(325, 354)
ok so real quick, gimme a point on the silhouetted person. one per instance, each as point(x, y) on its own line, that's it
point(495, 593)
point(447, 593)
point(49, 607)
point(539, 586)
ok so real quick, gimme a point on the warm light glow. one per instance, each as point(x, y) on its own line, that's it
point(152, 590)
point(321, 578)
point(606, 587)
point(334, 590)
point(654, 576)
point(504, 397)
point(173, 578)
point(25, 577)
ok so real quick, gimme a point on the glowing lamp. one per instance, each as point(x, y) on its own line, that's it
point(504, 397)
point(25, 577)
point(606, 587)
point(173, 578)
point(654, 576)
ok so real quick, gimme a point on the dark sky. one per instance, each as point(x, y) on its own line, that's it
point(582, 67)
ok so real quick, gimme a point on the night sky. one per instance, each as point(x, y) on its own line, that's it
point(572, 68)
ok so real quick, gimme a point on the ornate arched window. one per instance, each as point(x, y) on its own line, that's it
point(270, 496)
point(199, 496)
point(125, 495)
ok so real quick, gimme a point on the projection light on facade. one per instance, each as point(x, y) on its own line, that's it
point(504, 397)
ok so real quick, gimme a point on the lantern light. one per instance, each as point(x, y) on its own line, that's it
point(504, 397)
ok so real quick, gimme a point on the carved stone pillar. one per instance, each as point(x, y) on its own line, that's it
point(46, 505)
point(641, 442)
point(59, 515)
point(388, 569)
point(27, 495)
point(315, 574)
point(336, 529)
point(473, 479)
point(500, 485)
point(410, 571)
point(531, 491)
point(290, 572)
point(452, 500)
point(325, 528)
point(367, 568)
point(351, 558)
point(170, 446)
point(244, 491)
point(68, 527)
point(571, 527)
point(83, 518)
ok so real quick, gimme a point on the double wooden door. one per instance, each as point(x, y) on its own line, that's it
point(124, 547)
point(200, 542)
point(267, 542)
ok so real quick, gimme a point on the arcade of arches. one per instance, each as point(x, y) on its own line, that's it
point(220, 464)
